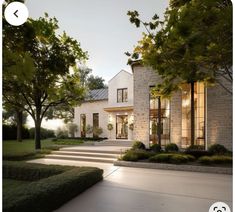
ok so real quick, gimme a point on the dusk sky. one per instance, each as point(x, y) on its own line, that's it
point(101, 26)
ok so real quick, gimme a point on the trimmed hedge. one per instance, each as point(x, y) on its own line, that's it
point(217, 149)
point(216, 159)
point(195, 147)
point(50, 193)
point(171, 148)
point(156, 148)
point(198, 153)
point(135, 155)
point(9, 132)
point(138, 145)
point(172, 158)
point(29, 171)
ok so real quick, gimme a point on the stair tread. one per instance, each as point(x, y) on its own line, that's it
point(82, 157)
point(90, 153)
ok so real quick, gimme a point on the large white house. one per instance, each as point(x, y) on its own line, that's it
point(134, 114)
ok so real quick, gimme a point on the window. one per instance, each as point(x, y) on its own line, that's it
point(199, 113)
point(122, 95)
point(159, 120)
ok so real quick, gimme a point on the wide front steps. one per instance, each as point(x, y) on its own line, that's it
point(126, 143)
point(85, 155)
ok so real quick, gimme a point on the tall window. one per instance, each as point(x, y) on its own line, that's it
point(83, 125)
point(199, 111)
point(95, 123)
point(159, 120)
point(122, 95)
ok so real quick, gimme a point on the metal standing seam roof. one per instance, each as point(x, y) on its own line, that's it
point(97, 94)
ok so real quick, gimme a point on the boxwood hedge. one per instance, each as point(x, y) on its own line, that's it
point(50, 193)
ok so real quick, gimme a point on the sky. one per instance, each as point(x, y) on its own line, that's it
point(102, 27)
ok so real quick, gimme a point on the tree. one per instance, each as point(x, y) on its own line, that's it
point(193, 43)
point(72, 129)
point(50, 82)
point(15, 116)
point(95, 82)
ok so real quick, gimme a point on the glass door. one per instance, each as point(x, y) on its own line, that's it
point(122, 127)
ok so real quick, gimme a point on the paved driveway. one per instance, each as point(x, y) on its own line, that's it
point(146, 190)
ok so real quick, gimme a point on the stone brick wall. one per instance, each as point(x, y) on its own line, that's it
point(143, 78)
point(219, 116)
point(218, 113)
point(176, 118)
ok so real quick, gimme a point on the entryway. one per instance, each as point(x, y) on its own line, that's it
point(122, 126)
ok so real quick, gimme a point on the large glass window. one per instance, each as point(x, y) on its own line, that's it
point(122, 95)
point(159, 120)
point(122, 126)
point(199, 111)
point(83, 125)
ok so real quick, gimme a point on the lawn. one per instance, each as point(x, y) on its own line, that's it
point(15, 147)
point(14, 150)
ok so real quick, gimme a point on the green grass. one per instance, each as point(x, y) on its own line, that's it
point(25, 150)
point(15, 147)
point(68, 142)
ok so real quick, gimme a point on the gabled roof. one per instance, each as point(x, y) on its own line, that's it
point(97, 94)
point(119, 73)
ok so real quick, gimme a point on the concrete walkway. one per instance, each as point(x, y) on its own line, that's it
point(127, 189)
point(146, 190)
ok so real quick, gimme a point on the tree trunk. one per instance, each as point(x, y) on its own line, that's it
point(19, 120)
point(192, 114)
point(159, 125)
point(37, 134)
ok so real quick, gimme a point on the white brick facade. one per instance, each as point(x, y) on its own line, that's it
point(218, 109)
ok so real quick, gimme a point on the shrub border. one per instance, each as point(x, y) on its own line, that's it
point(166, 166)
point(50, 193)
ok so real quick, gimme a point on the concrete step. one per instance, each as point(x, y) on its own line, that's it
point(86, 154)
point(125, 143)
point(80, 158)
point(117, 152)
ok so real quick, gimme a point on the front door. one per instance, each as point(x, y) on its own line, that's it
point(122, 127)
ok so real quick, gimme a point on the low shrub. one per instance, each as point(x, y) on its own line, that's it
point(198, 153)
point(161, 158)
point(129, 156)
point(156, 148)
point(9, 132)
point(29, 171)
point(217, 149)
point(138, 145)
point(171, 148)
point(172, 158)
point(216, 159)
point(135, 155)
point(195, 148)
point(45, 133)
point(50, 193)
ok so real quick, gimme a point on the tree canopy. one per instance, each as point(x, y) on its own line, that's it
point(44, 76)
point(192, 43)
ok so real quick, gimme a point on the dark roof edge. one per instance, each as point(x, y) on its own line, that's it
point(136, 63)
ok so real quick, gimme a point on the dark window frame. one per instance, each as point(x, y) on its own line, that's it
point(122, 94)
